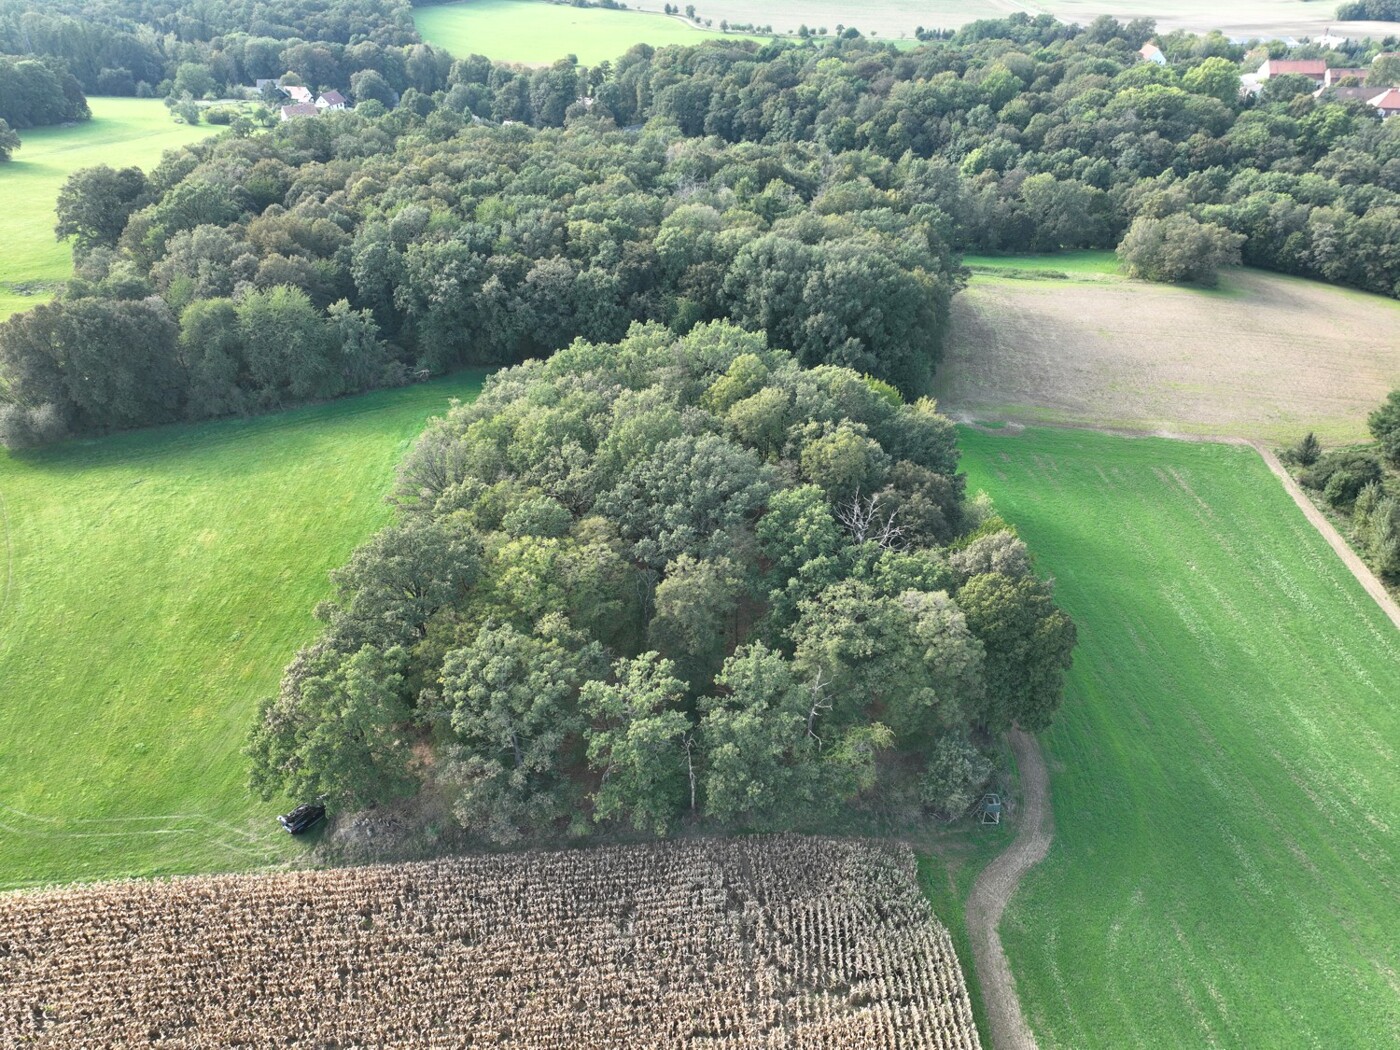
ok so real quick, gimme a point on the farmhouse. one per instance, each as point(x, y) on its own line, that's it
point(1332, 76)
point(1150, 52)
point(331, 100)
point(1388, 102)
point(300, 109)
point(1315, 68)
point(297, 93)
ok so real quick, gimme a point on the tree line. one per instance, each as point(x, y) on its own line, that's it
point(350, 252)
point(129, 47)
point(817, 191)
point(678, 579)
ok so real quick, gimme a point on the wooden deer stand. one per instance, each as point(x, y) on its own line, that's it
point(989, 810)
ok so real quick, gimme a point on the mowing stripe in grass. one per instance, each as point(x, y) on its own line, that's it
point(1226, 868)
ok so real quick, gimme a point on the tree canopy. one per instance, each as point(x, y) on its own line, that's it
point(609, 598)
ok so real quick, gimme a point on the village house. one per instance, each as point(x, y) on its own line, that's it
point(1315, 68)
point(299, 94)
point(1332, 76)
point(332, 100)
point(300, 109)
point(1388, 102)
point(1150, 52)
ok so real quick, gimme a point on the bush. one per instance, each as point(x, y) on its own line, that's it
point(1306, 451)
point(1178, 249)
point(1340, 476)
point(22, 427)
point(957, 772)
point(1385, 427)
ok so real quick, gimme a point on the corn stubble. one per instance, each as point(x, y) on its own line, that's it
point(765, 942)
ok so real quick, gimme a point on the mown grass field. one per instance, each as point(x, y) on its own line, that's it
point(891, 18)
point(1265, 357)
point(123, 132)
point(537, 33)
point(1071, 263)
point(1224, 773)
point(152, 587)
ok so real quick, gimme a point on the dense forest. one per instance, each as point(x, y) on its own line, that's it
point(128, 47)
point(815, 191)
point(679, 578)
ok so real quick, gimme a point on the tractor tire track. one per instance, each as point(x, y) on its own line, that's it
point(994, 888)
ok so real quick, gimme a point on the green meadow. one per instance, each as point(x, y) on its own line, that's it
point(123, 132)
point(536, 33)
point(1072, 263)
point(1224, 772)
point(152, 587)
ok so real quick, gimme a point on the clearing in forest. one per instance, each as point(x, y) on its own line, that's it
point(537, 33)
point(1264, 357)
point(742, 943)
point(153, 586)
point(123, 133)
point(1225, 771)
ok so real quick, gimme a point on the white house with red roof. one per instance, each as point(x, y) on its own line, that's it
point(332, 100)
point(1150, 52)
point(1388, 102)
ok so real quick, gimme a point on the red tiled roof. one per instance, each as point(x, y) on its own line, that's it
point(1388, 99)
point(1309, 67)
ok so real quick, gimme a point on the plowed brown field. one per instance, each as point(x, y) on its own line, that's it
point(1268, 358)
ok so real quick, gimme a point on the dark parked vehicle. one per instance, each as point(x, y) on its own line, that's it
point(304, 817)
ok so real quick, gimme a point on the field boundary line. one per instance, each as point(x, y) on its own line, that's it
point(1335, 540)
point(993, 890)
point(1370, 583)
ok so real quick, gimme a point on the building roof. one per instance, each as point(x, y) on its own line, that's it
point(1335, 74)
point(1151, 52)
point(1387, 99)
point(300, 109)
point(1308, 67)
point(333, 98)
point(1339, 94)
point(301, 94)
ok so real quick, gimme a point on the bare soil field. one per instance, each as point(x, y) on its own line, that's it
point(1265, 358)
point(762, 942)
point(896, 19)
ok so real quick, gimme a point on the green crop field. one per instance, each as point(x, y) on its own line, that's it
point(1224, 773)
point(123, 132)
point(152, 587)
point(538, 33)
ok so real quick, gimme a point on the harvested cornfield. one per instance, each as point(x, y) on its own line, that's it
point(764, 942)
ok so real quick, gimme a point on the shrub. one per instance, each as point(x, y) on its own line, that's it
point(1178, 249)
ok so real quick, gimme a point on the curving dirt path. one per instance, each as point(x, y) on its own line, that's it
point(993, 889)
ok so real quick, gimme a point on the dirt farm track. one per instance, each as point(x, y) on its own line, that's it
point(1265, 358)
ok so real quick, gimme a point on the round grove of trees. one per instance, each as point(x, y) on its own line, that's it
point(675, 579)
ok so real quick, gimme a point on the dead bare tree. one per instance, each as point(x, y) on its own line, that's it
point(864, 520)
point(820, 703)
